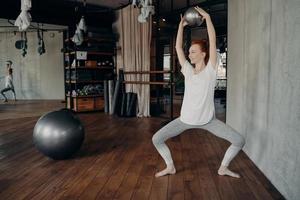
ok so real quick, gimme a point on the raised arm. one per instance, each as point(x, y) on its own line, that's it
point(211, 36)
point(179, 38)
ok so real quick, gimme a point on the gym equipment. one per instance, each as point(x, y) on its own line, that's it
point(58, 134)
point(115, 96)
point(131, 99)
point(41, 44)
point(192, 17)
point(122, 104)
point(106, 102)
point(19, 44)
point(110, 95)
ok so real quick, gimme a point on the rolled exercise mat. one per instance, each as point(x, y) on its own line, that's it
point(122, 110)
point(122, 104)
point(106, 100)
point(116, 95)
point(110, 94)
point(128, 96)
point(121, 78)
point(131, 104)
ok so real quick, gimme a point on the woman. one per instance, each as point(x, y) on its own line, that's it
point(8, 81)
point(197, 109)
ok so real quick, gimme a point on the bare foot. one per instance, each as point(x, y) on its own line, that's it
point(168, 170)
point(225, 171)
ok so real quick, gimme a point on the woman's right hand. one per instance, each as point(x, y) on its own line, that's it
point(202, 12)
point(182, 23)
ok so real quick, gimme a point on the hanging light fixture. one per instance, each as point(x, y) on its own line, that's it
point(81, 28)
point(24, 19)
point(146, 9)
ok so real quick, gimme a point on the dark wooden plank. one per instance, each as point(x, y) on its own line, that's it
point(130, 180)
point(145, 180)
point(222, 183)
point(239, 186)
point(103, 175)
point(159, 189)
point(25, 179)
point(74, 175)
point(41, 172)
point(40, 176)
point(259, 176)
point(115, 180)
point(143, 140)
point(208, 187)
point(176, 184)
point(55, 181)
point(74, 192)
point(143, 187)
point(192, 186)
point(255, 187)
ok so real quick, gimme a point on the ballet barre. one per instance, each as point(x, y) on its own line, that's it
point(148, 72)
point(170, 83)
point(149, 82)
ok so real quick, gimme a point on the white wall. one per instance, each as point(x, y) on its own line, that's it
point(35, 76)
point(263, 97)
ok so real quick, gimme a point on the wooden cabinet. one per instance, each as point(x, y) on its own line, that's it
point(83, 104)
point(99, 103)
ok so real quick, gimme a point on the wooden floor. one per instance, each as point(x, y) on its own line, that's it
point(23, 108)
point(118, 161)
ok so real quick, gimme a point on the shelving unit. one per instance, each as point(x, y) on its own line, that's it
point(86, 67)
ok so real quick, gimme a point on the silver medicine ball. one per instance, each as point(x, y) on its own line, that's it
point(192, 17)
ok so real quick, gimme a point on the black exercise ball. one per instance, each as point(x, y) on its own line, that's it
point(58, 134)
point(192, 17)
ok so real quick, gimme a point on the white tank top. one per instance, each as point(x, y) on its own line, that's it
point(198, 101)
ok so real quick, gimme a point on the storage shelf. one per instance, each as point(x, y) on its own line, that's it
point(87, 96)
point(93, 53)
point(88, 64)
point(148, 82)
point(90, 68)
point(85, 81)
point(87, 110)
point(148, 72)
point(94, 39)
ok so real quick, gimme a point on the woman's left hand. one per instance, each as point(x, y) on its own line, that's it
point(202, 12)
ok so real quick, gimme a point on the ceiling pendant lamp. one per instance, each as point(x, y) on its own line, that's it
point(24, 19)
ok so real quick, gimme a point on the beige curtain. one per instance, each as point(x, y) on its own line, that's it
point(134, 54)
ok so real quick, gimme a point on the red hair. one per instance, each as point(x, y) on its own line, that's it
point(203, 44)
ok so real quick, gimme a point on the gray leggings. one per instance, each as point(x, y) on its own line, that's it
point(215, 126)
point(6, 90)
